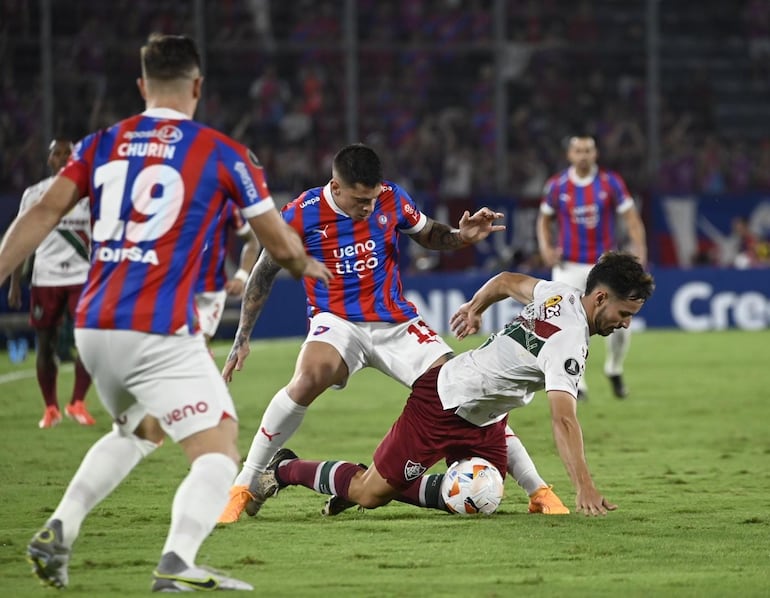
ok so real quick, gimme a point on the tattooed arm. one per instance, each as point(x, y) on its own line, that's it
point(472, 230)
point(257, 290)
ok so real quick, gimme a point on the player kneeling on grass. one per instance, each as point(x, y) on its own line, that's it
point(459, 409)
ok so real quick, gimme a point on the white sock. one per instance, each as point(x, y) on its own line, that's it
point(199, 500)
point(106, 464)
point(617, 346)
point(281, 419)
point(520, 464)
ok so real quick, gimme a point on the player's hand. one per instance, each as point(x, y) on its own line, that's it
point(315, 269)
point(479, 226)
point(235, 360)
point(14, 297)
point(590, 502)
point(464, 322)
point(235, 287)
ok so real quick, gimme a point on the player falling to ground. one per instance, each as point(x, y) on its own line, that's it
point(353, 225)
point(582, 201)
point(59, 270)
point(213, 285)
point(156, 183)
point(459, 409)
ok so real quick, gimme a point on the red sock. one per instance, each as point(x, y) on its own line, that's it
point(82, 382)
point(46, 378)
point(326, 477)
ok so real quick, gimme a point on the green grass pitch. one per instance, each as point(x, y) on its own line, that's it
point(686, 457)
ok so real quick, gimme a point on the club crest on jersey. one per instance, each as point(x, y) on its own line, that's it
point(572, 367)
point(320, 329)
point(413, 470)
point(382, 220)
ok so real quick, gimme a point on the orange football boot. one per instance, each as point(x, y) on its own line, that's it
point(545, 501)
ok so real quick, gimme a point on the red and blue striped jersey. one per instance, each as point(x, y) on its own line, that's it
point(157, 183)
point(585, 210)
point(362, 255)
point(212, 275)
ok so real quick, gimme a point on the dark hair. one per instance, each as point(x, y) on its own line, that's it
point(59, 139)
point(623, 274)
point(168, 57)
point(566, 142)
point(358, 163)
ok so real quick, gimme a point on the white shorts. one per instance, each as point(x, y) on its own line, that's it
point(210, 306)
point(172, 378)
point(572, 273)
point(402, 351)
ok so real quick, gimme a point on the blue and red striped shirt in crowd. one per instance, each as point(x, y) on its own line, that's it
point(362, 255)
point(213, 275)
point(157, 183)
point(585, 210)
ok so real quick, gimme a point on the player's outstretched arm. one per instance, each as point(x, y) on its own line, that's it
point(467, 319)
point(569, 441)
point(473, 229)
point(31, 227)
point(257, 290)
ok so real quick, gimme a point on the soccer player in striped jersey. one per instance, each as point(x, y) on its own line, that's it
point(582, 202)
point(213, 285)
point(156, 183)
point(353, 225)
point(59, 270)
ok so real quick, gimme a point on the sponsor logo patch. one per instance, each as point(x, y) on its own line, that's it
point(178, 415)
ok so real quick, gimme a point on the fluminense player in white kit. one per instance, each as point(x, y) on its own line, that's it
point(460, 408)
point(59, 272)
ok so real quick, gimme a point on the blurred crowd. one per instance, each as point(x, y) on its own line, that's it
point(276, 80)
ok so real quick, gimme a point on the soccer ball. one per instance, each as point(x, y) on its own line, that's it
point(472, 486)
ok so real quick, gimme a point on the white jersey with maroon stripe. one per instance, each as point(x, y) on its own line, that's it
point(63, 258)
point(543, 348)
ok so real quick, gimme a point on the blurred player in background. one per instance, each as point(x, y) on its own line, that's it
point(459, 409)
point(157, 183)
point(583, 201)
point(213, 285)
point(59, 270)
point(353, 225)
